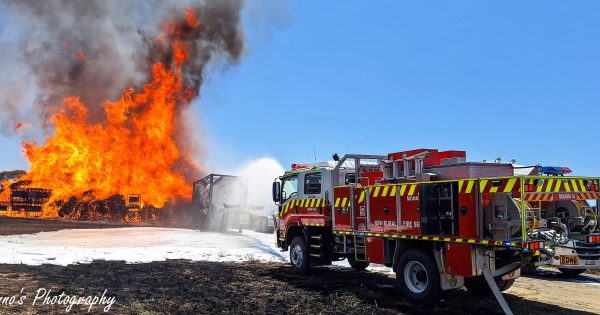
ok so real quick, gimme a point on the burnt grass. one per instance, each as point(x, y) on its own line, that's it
point(185, 287)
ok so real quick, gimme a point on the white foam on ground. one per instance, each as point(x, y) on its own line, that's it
point(136, 245)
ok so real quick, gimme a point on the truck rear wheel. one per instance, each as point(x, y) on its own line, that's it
point(299, 257)
point(480, 286)
point(358, 265)
point(571, 273)
point(418, 277)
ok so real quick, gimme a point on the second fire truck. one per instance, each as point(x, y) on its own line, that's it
point(439, 221)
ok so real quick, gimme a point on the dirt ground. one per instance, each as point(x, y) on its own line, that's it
point(253, 287)
point(179, 286)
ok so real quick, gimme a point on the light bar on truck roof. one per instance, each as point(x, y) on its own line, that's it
point(297, 166)
point(554, 170)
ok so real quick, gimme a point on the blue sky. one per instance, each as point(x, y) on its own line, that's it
point(495, 78)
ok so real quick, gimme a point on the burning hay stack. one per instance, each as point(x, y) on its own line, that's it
point(113, 88)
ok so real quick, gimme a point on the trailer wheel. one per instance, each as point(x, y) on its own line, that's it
point(480, 286)
point(358, 265)
point(299, 257)
point(418, 277)
point(571, 273)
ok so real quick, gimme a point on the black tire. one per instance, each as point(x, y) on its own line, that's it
point(528, 270)
point(480, 286)
point(358, 265)
point(571, 273)
point(423, 282)
point(299, 256)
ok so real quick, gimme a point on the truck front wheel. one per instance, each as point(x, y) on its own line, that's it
point(299, 257)
point(418, 277)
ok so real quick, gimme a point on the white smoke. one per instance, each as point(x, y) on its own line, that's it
point(259, 175)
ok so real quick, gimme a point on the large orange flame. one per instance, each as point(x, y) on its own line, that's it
point(132, 152)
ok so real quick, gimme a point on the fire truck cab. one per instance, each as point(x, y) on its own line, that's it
point(441, 223)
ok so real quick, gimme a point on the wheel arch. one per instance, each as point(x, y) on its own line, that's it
point(294, 230)
point(404, 245)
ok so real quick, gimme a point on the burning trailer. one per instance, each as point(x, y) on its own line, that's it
point(24, 201)
point(220, 202)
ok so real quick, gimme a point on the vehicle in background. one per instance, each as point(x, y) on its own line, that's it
point(219, 203)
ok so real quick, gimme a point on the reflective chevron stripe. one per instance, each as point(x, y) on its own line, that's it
point(305, 203)
point(472, 241)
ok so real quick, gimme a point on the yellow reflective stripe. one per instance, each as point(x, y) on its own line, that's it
point(402, 190)
point(582, 185)
point(393, 192)
point(482, 185)
point(460, 185)
point(576, 186)
point(510, 185)
point(493, 189)
point(539, 187)
point(376, 193)
point(312, 203)
point(470, 186)
point(567, 186)
point(337, 202)
point(557, 187)
point(362, 196)
point(344, 201)
point(549, 185)
point(385, 190)
point(412, 190)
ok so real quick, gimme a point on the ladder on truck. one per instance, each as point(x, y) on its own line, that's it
point(360, 247)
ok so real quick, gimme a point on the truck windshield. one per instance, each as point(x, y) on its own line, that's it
point(290, 187)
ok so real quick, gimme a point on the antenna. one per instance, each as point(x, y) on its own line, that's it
point(315, 152)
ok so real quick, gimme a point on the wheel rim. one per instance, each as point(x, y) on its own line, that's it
point(296, 255)
point(415, 276)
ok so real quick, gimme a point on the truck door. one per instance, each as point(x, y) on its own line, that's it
point(312, 193)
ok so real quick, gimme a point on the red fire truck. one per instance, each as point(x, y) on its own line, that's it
point(439, 221)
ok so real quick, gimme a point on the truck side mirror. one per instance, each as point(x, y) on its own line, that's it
point(276, 192)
